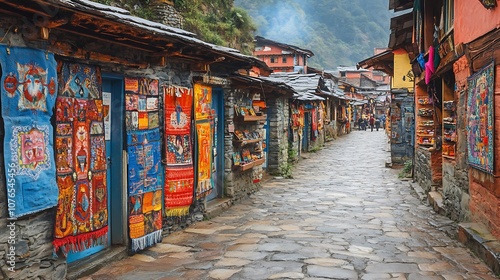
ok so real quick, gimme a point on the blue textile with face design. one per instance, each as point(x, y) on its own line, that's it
point(28, 94)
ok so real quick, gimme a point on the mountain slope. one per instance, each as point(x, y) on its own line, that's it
point(340, 32)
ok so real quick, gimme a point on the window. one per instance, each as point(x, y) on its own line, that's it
point(274, 59)
point(283, 59)
point(449, 16)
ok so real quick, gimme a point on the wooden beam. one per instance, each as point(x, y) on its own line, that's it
point(27, 6)
point(73, 30)
point(67, 50)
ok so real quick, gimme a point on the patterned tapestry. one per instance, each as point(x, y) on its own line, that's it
point(204, 135)
point(179, 177)
point(480, 89)
point(144, 162)
point(82, 212)
point(29, 84)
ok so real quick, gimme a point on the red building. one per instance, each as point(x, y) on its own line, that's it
point(282, 57)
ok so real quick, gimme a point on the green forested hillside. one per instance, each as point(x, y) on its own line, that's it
point(338, 32)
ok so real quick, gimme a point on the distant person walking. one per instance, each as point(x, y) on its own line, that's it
point(377, 124)
point(372, 122)
point(361, 123)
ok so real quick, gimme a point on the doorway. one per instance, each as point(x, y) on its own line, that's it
point(217, 144)
point(112, 88)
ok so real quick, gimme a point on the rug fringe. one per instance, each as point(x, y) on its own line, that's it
point(80, 242)
point(146, 241)
point(177, 212)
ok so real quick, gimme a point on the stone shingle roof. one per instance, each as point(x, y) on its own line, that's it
point(306, 86)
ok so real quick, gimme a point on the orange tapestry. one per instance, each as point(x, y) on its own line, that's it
point(204, 133)
point(203, 102)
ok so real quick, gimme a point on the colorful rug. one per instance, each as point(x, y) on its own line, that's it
point(480, 119)
point(145, 171)
point(179, 173)
point(29, 84)
point(82, 213)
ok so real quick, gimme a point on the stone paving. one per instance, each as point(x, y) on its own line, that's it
point(344, 215)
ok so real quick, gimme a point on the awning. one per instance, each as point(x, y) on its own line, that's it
point(383, 62)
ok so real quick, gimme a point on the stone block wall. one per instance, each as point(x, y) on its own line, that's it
point(422, 169)
point(278, 109)
point(455, 192)
point(331, 131)
point(26, 248)
point(456, 196)
point(167, 14)
point(319, 142)
point(294, 146)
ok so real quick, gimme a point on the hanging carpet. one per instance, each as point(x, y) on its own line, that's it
point(144, 162)
point(179, 177)
point(82, 213)
point(28, 93)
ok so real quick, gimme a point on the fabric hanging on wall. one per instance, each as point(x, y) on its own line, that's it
point(204, 137)
point(429, 66)
point(82, 213)
point(28, 93)
point(179, 177)
point(145, 174)
point(481, 119)
point(314, 124)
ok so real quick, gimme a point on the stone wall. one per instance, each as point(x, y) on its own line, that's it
point(167, 14)
point(294, 146)
point(319, 142)
point(331, 131)
point(422, 170)
point(455, 192)
point(26, 245)
point(456, 196)
point(278, 109)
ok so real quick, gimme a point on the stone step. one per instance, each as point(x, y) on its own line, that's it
point(216, 206)
point(479, 240)
point(436, 201)
point(95, 262)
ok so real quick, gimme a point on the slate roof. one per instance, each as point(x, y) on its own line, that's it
point(306, 86)
point(277, 86)
point(262, 41)
point(98, 13)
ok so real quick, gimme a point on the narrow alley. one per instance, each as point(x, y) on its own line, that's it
point(344, 215)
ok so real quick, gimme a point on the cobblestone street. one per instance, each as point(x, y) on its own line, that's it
point(344, 215)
